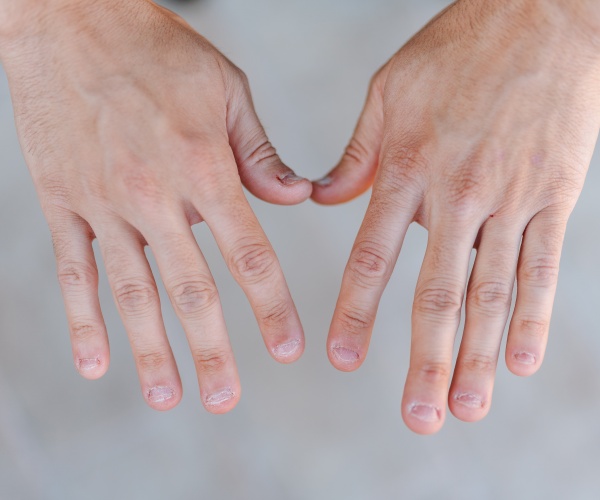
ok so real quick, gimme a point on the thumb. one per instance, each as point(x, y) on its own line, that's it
point(260, 168)
point(355, 172)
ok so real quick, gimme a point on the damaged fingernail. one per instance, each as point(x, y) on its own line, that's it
point(525, 358)
point(324, 182)
point(218, 398)
point(287, 349)
point(160, 394)
point(469, 400)
point(425, 412)
point(345, 355)
point(86, 364)
point(289, 178)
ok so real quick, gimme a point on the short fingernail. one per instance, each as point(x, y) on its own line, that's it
point(425, 412)
point(218, 398)
point(525, 358)
point(345, 355)
point(324, 182)
point(160, 394)
point(289, 178)
point(287, 349)
point(469, 400)
point(87, 364)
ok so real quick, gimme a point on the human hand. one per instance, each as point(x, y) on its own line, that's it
point(481, 129)
point(134, 128)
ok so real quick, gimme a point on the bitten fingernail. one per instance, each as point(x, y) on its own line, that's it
point(289, 178)
point(345, 355)
point(287, 349)
point(160, 394)
point(469, 400)
point(425, 412)
point(525, 358)
point(324, 182)
point(218, 398)
point(86, 364)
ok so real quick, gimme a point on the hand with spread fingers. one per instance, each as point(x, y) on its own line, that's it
point(481, 129)
point(134, 128)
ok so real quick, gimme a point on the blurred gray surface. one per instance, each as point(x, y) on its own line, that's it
point(303, 431)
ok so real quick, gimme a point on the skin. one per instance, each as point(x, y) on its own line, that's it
point(480, 129)
point(134, 128)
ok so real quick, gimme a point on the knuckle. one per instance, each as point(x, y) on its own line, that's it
point(151, 361)
point(402, 166)
point(211, 360)
point(194, 296)
point(77, 275)
point(478, 362)
point(369, 264)
point(440, 301)
point(357, 151)
point(253, 262)
point(138, 183)
point(541, 270)
point(135, 296)
point(353, 319)
point(55, 191)
point(434, 372)
point(465, 189)
point(493, 297)
point(82, 331)
point(260, 152)
point(533, 328)
point(275, 315)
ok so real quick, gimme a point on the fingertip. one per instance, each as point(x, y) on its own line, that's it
point(163, 397)
point(277, 184)
point(92, 367)
point(423, 418)
point(523, 363)
point(344, 358)
point(289, 351)
point(221, 401)
point(333, 189)
point(468, 407)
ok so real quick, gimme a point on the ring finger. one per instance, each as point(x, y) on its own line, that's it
point(135, 293)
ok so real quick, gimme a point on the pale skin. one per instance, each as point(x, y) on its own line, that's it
point(481, 129)
point(134, 128)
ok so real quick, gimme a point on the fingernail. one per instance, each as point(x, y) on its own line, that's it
point(425, 412)
point(469, 400)
point(525, 358)
point(86, 364)
point(345, 355)
point(289, 178)
point(160, 394)
point(220, 397)
point(287, 349)
point(324, 182)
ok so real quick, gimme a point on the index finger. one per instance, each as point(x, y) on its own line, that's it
point(391, 211)
point(254, 265)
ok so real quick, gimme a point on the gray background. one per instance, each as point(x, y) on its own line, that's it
point(303, 431)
